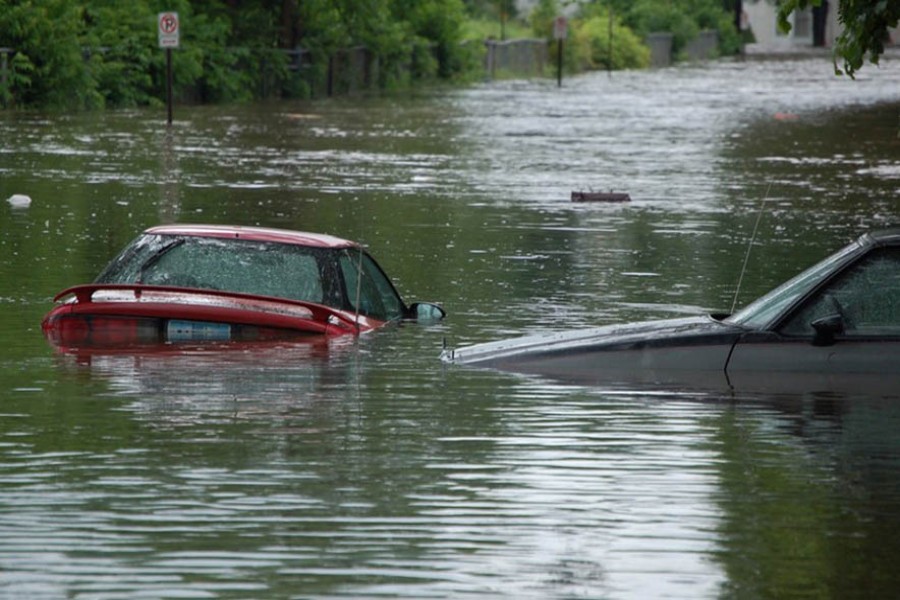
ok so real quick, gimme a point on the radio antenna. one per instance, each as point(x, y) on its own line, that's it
point(358, 287)
point(762, 207)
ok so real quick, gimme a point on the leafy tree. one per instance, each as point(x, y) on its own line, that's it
point(542, 17)
point(865, 28)
point(95, 53)
point(48, 65)
point(439, 23)
point(122, 54)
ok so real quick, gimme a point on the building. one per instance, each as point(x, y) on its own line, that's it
point(810, 27)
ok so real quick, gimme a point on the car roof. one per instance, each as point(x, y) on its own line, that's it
point(882, 236)
point(256, 234)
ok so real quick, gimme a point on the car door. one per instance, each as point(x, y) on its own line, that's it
point(851, 325)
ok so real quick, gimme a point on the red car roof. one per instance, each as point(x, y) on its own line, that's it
point(258, 234)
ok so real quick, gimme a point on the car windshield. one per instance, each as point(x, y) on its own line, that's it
point(322, 275)
point(765, 311)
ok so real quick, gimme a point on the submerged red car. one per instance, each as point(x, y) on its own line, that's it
point(178, 283)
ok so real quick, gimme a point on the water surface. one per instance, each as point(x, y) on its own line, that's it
point(367, 468)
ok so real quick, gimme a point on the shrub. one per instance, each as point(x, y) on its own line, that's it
point(593, 49)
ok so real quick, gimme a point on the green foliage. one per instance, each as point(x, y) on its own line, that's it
point(50, 67)
point(711, 16)
point(120, 44)
point(634, 20)
point(18, 78)
point(684, 19)
point(542, 17)
point(434, 25)
point(595, 50)
point(647, 16)
point(588, 45)
point(482, 29)
point(97, 53)
point(866, 25)
point(491, 9)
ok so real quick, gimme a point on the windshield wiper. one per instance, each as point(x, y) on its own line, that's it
point(156, 256)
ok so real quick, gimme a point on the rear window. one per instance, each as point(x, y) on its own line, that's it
point(261, 268)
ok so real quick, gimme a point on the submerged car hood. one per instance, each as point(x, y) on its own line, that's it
point(609, 337)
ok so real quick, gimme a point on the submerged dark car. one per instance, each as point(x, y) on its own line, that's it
point(840, 316)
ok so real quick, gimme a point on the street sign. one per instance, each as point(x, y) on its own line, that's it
point(168, 29)
point(168, 38)
point(560, 27)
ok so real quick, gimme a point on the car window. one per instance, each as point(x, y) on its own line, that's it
point(266, 269)
point(377, 296)
point(768, 309)
point(867, 297)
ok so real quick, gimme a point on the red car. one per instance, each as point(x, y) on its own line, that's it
point(228, 283)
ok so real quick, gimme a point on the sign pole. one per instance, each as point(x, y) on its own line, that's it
point(610, 51)
point(559, 62)
point(169, 84)
point(560, 29)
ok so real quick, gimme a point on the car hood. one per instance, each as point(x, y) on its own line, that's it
point(611, 337)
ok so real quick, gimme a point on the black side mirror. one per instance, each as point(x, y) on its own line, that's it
point(426, 312)
point(826, 329)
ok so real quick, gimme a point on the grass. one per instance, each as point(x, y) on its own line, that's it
point(482, 29)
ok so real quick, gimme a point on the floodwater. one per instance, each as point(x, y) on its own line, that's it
point(369, 469)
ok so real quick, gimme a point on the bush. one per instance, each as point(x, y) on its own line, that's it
point(593, 49)
point(49, 68)
point(684, 19)
point(542, 17)
point(650, 16)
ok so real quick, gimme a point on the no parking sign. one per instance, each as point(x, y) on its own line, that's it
point(168, 32)
point(168, 29)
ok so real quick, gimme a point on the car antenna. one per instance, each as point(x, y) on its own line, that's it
point(358, 287)
point(762, 207)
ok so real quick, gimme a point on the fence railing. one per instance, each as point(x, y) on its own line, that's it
point(523, 57)
point(352, 70)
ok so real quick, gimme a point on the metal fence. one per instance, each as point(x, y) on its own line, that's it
point(357, 69)
point(525, 57)
point(703, 47)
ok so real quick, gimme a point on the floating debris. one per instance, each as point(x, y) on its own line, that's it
point(19, 201)
point(600, 197)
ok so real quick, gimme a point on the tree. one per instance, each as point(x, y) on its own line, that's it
point(865, 29)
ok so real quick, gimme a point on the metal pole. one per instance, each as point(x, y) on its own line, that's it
point(610, 56)
point(559, 62)
point(169, 83)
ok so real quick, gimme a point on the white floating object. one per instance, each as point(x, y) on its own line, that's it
point(19, 201)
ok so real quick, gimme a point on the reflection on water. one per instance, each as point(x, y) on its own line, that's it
point(369, 469)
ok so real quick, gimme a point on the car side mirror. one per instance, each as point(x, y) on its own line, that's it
point(826, 329)
point(426, 312)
